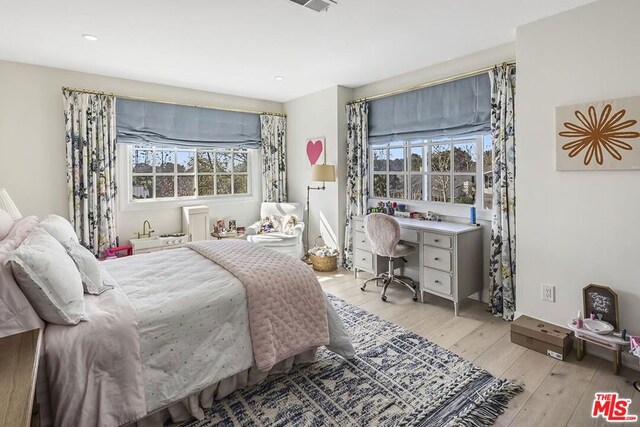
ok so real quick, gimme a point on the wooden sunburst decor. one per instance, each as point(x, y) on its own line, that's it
point(598, 136)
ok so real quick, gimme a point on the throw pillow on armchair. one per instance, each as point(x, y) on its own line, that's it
point(280, 224)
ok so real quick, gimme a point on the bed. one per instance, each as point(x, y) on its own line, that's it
point(177, 331)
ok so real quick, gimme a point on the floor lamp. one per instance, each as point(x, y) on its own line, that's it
point(323, 173)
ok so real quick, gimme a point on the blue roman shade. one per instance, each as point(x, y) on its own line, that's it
point(156, 123)
point(457, 108)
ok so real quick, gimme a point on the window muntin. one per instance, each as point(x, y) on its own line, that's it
point(444, 170)
point(160, 173)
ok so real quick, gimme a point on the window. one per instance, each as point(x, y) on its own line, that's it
point(445, 170)
point(174, 173)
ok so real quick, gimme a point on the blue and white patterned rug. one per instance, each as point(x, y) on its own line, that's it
point(396, 379)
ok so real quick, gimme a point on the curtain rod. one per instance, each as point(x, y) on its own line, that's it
point(431, 83)
point(135, 98)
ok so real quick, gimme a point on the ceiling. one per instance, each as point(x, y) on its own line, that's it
point(238, 46)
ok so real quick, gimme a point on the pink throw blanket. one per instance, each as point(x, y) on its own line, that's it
point(287, 313)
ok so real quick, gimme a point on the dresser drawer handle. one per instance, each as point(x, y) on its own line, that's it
point(363, 241)
point(364, 259)
point(436, 259)
point(436, 281)
point(436, 240)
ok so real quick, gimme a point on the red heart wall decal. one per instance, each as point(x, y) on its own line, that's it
point(314, 149)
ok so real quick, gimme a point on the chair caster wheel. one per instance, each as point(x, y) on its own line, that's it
point(415, 299)
point(362, 288)
point(383, 298)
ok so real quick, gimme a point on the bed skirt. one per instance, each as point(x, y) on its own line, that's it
point(194, 405)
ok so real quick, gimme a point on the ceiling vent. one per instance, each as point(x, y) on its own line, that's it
point(317, 5)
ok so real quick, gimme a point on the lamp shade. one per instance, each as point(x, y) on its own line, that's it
point(324, 173)
point(7, 204)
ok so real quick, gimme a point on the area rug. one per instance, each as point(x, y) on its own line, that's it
point(396, 379)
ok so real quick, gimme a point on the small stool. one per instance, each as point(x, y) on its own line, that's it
point(118, 251)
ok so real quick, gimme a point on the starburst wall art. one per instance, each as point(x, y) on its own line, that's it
point(602, 135)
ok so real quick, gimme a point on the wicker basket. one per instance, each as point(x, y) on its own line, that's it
point(324, 263)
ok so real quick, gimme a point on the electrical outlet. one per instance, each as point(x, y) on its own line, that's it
point(548, 292)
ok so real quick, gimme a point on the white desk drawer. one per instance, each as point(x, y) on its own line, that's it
point(437, 258)
point(358, 225)
point(361, 241)
point(409, 235)
point(435, 239)
point(438, 281)
point(363, 260)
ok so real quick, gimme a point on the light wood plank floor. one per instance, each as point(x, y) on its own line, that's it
point(556, 393)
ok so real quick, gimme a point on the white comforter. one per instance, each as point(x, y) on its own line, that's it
point(192, 321)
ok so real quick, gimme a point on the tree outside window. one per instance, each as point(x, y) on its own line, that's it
point(445, 170)
point(173, 173)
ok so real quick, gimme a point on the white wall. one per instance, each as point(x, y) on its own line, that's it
point(447, 69)
point(32, 147)
point(319, 114)
point(575, 228)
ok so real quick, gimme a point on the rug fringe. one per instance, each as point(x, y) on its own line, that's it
point(493, 404)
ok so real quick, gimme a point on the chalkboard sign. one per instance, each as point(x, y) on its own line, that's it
point(601, 300)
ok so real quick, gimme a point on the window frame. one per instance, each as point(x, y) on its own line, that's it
point(126, 175)
point(426, 146)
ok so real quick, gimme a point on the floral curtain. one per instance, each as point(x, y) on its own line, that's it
point(274, 158)
point(357, 172)
point(502, 263)
point(90, 125)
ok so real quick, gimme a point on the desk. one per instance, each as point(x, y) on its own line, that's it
point(447, 261)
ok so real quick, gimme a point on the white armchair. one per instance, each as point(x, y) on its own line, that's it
point(291, 242)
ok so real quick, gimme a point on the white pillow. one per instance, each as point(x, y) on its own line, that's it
point(284, 224)
point(6, 223)
point(59, 228)
point(88, 266)
point(288, 223)
point(48, 278)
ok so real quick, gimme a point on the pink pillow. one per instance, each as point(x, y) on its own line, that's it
point(16, 314)
point(21, 229)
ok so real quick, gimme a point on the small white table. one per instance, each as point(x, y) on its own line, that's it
point(227, 235)
point(609, 341)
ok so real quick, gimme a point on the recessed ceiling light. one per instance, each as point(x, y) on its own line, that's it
point(90, 37)
point(279, 78)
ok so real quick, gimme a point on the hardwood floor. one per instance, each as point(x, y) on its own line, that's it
point(555, 393)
